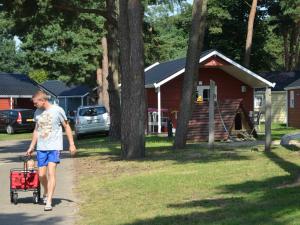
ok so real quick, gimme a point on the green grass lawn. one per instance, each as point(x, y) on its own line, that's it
point(17, 136)
point(193, 186)
point(278, 130)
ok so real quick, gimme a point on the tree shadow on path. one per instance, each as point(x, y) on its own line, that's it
point(24, 219)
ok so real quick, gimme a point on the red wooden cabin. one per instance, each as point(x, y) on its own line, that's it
point(293, 104)
point(163, 82)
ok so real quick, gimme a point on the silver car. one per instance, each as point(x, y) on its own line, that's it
point(91, 119)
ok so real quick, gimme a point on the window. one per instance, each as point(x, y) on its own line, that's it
point(93, 111)
point(203, 91)
point(258, 101)
point(292, 99)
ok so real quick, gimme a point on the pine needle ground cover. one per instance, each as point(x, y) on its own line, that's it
point(230, 185)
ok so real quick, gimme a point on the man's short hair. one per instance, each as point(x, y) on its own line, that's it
point(42, 94)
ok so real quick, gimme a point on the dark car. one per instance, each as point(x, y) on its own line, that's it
point(13, 120)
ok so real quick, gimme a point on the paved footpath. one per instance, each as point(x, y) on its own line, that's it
point(25, 212)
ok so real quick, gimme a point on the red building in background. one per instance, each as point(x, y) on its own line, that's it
point(163, 82)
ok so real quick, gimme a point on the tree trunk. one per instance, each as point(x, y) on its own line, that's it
point(105, 97)
point(132, 76)
point(286, 50)
point(250, 33)
point(113, 71)
point(99, 82)
point(295, 46)
point(297, 51)
point(191, 71)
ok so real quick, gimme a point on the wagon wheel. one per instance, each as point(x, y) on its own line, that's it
point(15, 198)
point(11, 196)
point(36, 198)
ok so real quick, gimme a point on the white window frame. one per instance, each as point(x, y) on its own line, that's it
point(292, 99)
point(259, 99)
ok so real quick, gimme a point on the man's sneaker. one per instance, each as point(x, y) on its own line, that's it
point(48, 207)
point(44, 199)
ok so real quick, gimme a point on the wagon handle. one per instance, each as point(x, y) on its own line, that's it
point(25, 158)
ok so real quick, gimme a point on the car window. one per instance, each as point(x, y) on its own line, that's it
point(93, 111)
point(13, 113)
point(6, 112)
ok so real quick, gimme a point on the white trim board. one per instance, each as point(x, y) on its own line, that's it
point(151, 66)
point(15, 96)
point(292, 88)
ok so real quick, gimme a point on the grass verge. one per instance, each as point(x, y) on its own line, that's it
point(16, 136)
point(193, 186)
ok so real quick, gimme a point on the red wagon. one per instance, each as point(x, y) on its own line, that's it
point(22, 180)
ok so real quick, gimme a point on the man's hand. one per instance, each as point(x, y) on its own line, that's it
point(29, 151)
point(72, 149)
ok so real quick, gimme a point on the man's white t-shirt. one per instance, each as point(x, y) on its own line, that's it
point(49, 122)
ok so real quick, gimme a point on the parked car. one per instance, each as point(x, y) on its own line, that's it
point(91, 119)
point(13, 120)
point(71, 117)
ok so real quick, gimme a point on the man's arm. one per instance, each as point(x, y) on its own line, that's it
point(68, 130)
point(33, 141)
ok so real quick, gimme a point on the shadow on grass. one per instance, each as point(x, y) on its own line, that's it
point(234, 210)
point(273, 203)
point(159, 149)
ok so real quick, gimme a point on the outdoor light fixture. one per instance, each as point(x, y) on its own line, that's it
point(243, 88)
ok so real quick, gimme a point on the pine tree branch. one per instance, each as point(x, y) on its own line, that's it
point(72, 8)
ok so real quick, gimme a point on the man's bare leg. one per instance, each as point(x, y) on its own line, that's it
point(43, 179)
point(51, 181)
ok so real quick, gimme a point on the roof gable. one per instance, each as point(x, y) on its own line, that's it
point(281, 78)
point(164, 72)
point(161, 71)
point(61, 89)
point(13, 84)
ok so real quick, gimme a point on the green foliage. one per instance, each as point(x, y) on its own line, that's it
point(170, 33)
point(39, 75)
point(226, 32)
point(11, 58)
point(66, 44)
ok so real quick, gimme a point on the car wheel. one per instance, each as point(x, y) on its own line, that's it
point(10, 129)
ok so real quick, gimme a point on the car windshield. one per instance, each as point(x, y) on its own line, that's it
point(94, 111)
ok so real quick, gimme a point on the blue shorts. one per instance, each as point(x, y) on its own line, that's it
point(44, 157)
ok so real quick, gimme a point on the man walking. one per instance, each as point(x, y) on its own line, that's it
point(48, 137)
